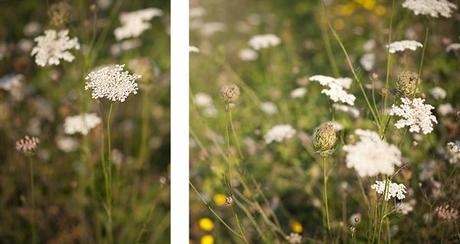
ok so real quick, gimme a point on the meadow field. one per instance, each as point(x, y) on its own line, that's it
point(332, 121)
point(84, 121)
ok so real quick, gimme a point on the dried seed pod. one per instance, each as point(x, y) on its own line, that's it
point(230, 94)
point(324, 137)
point(59, 14)
point(407, 83)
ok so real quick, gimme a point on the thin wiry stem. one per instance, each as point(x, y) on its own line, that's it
point(214, 212)
point(387, 77)
point(325, 193)
point(108, 178)
point(425, 43)
point(32, 200)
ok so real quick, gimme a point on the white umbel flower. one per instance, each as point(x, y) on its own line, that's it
point(433, 8)
point(82, 123)
point(299, 92)
point(269, 108)
point(336, 88)
point(247, 54)
point(404, 208)
point(279, 133)
point(112, 82)
point(399, 46)
point(133, 24)
point(264, 41)
point(415, 114)
point(393, 190)
point(347, 109)
point(453, 47)
point(54, 46)
point(371, 155)
point(438, 93)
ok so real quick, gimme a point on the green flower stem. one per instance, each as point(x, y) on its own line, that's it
point(32, 200)
point(325, 193)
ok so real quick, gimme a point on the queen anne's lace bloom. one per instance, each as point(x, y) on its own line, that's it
point(453, 47)
point(434, 8)
point(264, 41)
point(82, 123)
point(400, 46)
point(336, 88)
point(371, 155)
point(54, 46)
point(112, 82)
point(392, 189)
point(279, 133)
point(133, 24)
point(415, 114)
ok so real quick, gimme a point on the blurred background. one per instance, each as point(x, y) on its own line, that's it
point(36, 100)
point(277, 186)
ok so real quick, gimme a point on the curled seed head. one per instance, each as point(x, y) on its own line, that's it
point(230, 93)
point(27, 144)
point(407, 83)
point(324, 137)
point(59, 14)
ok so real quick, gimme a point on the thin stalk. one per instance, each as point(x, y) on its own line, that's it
point(326, 207)
point(108, 175)
point(214, 212)
point(425, 43)
point(387, 78)
point(144, 128)
point(32, 200)
point(235, 138)
point(327, 44)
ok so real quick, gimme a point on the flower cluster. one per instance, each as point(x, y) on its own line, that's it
point(279, 133)
point(336, 88)
point(294, 238)
point(135, 23)
point(415, 114)
point(400, 46)
point(446, 213)
point(371, 155)
point(433, 8)
point(391, 190)
point(82, 123)
point(54, 46)
point(112, 82)
point(27, 144)
point(264, 41)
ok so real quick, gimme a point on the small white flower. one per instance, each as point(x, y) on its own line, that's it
point(337, 88)
point(264, 41)
point(247, 54)
point(269, 108)
point(391, 189)
point(294, 238)
point(279, 133)
point(415, 114)
point(371, 155)
point(453, 152)
point(193, 49)
point(433, 8)
point(347, 109)
point(453, 47)
point(112, 82)
point(299, 92)
point(404, 208)
point(203, 100)
point(445, 109)
point(9, 82)
point(118, 48)
point(82, 123)
point(438, 93)
point(368, 61)
point(54, 46)
point(133, 24)
point(210, 28)
point(66, 143)
point(400, 46)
